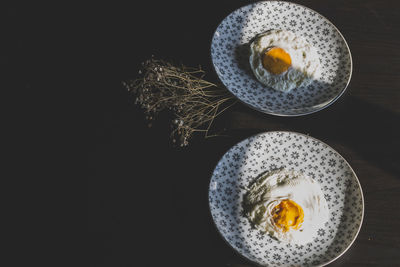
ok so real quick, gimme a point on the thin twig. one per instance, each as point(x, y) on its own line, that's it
point(194, 101)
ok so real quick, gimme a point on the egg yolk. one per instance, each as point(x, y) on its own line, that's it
point(276, 60)
point(288, 214)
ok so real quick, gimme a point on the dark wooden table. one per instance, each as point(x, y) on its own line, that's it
point(147, 200)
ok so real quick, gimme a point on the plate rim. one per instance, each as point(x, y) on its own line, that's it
point(274, 113)
point(308, 136)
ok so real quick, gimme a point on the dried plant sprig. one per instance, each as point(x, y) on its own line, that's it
point(194, 101)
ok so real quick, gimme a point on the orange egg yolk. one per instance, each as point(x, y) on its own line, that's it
point(288, 215)
point(276, 60)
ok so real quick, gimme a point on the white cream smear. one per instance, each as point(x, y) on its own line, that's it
point(269, 190)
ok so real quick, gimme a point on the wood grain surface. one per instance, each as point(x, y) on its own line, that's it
point(147, 200)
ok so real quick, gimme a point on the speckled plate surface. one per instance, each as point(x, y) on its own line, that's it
point(293, 151)
point(230, 57)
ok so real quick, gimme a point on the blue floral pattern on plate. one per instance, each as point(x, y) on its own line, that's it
point(230, 57)
point(268, 151)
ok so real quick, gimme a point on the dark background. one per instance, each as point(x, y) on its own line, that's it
point(147, 200)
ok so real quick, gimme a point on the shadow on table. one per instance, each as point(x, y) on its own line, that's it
point(369, 130)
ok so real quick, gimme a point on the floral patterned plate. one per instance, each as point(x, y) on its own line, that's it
point(230, 57)
point(245, 161)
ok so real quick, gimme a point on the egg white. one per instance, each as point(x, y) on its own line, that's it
point(305, 60)
point(271, 189)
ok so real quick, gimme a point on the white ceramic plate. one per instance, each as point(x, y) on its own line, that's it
point(230, 57)
point(244, 162)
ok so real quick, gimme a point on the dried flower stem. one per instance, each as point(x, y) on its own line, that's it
point(194, 101)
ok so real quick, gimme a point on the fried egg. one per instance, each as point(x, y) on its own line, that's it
point(288, 205)
point(283, 61)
